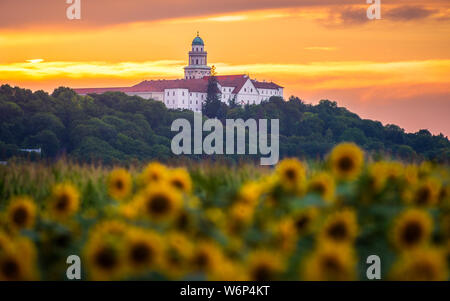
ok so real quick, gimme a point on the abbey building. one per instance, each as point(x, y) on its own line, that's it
point(190, 92)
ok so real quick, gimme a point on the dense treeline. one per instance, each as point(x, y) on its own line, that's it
point(114, 127)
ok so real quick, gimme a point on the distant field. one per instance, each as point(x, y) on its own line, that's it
point(317, 220)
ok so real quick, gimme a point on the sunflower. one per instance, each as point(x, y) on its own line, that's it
point(377, 176)
point(153, 173)
point(119, 184)
point(240, 215)
point(21, 213)
point(129, 210)
point(346, 161)
point(445, 226)
point(177, 252)
point(421, 264)
point(5, 241)
point(323, 185)
point(411, 228)
point(215, 216)
point(184, 221)
point(143, 250)
point(108, 228)
point(180, 179)
point(292, 174)
point(64, 201)
point(444, 195)
point(105, 260)
point(229, 271)
point(264, 265)
point(411, 174)
point(206, 257)
point(304, 220)
point(340, 227)
point(425, 169)
point(18, 261)
point(160, 202)
point(383, 172)
point(249, 193)
point(286, 235)
point(425, 193)
point(330, 262)
point(12, 268)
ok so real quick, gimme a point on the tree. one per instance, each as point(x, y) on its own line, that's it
point(212, 105)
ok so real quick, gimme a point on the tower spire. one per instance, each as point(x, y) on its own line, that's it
point(198, 33)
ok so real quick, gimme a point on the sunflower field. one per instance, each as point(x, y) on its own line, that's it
point(315, 220)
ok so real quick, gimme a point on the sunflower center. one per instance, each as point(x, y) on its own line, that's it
point(10, 269)
point(345, 164)
point(178, 184)
point(62, 240)
point(412, 233)
point(318, 188)
point(262, 272)
point(20, 216)
point(141, 253)
point(182, 221)
point(106, 258)
point(159, 204)
point(291, 174)
point(338, 231)
point(119, 184)
point(302, 222)
point(201, 260)
point(331, 265)
point(63, 202)
point(423, 196)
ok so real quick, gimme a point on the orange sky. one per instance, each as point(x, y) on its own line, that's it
point(396, 70)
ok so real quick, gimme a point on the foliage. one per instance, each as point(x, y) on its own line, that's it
point(114, 127)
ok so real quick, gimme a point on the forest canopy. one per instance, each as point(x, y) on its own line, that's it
point(116, 128)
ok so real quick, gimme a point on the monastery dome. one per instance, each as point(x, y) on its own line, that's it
point(198, 41)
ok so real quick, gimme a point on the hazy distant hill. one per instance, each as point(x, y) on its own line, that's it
point(115, 127)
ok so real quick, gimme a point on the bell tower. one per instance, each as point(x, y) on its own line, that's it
point(197, 65)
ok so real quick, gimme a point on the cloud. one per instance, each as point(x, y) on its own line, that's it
point(349, 15)
point(408, 13)
point(25, 13)
point(21, 13)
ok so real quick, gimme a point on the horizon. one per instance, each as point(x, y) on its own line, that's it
point(395, 70)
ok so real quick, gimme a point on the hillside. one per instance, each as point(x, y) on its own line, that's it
point(114, 127)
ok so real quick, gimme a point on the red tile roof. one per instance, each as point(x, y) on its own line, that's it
point(236, 81)
point(265, 85)
point(193, 85)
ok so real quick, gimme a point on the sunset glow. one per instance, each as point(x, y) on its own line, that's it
point(396, 70)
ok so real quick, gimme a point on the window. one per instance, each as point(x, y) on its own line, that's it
point(173, 93)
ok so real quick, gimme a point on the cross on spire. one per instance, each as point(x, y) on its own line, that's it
point(198, 33)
